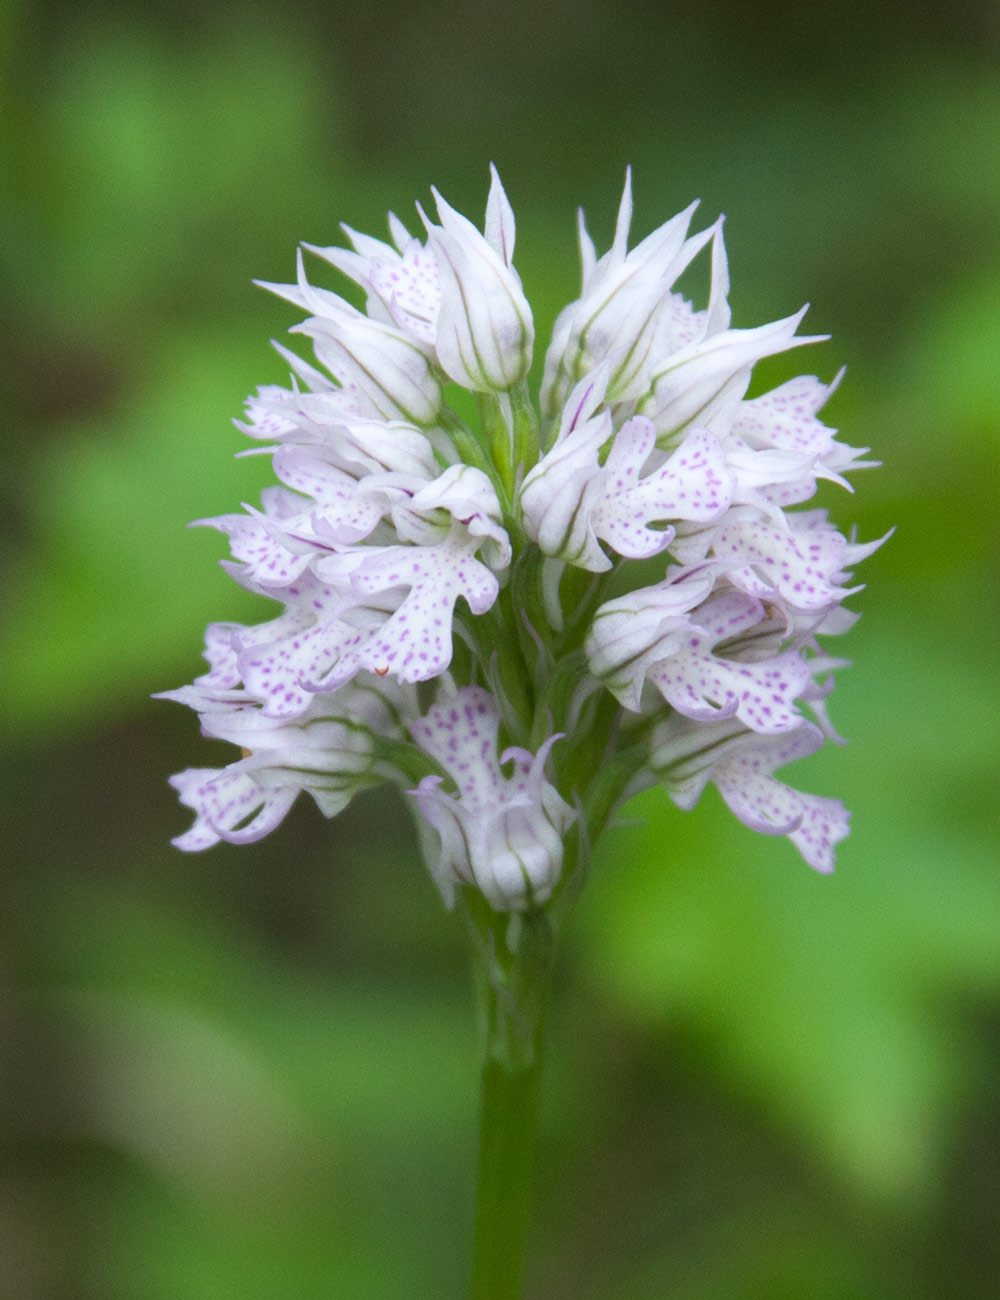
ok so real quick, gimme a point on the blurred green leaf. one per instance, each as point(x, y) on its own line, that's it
point(826, 998)
point(106, 607)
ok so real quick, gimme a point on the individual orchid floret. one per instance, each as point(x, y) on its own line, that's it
point(704, 657)
point(485, 333)
point(391, 375)
point(623, 299)
point(276, 414)
point(314, 646)
point(785, 418)
point(561, 491)
point(275, 545)
point(772, 479)
point(415, 643)
point(271, 660)
point(462, 493)
point(740, 764)
point(382, 609)
point(402, 283)
point(450, 520)
point(262, 555)
point(226, 799)
point(628, 635)
point(356, 444)
point(501, 834)
point(709, 677)
point(378, 361)
point(363, 447)
point(703, 383)
point(800, 560)
point(692, 484)
point(389, 612)
point(328, 752)
point(784, 448)
point(270, 414)
point(335, 507)
point(570, 502)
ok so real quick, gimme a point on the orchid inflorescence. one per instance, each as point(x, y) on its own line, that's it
point(524, 617)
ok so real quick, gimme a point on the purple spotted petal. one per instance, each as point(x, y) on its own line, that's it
point(693, 484)
point(706, 686)
point(630, 634)
point(257, 547)
point(813, 823)
point(416, 641)
point(741, 765)
point(802, 562)
point(223, 671)
point(504, 834)
point(229, 805)
point(410, 286)
point(348, 513)
point(786, 417)
point(276, 660)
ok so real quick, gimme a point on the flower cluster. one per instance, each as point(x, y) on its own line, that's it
point(612, 583)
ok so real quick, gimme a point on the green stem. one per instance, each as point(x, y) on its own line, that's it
point(498, 439)
point(503, 1197)
point(466, 443)
point(513, 962)
point(525, 427)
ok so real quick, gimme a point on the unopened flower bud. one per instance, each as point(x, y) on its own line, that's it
point(485, 333)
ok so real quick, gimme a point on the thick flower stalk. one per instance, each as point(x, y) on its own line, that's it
point(523, 620)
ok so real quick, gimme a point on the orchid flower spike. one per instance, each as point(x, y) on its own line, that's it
point(520, 619)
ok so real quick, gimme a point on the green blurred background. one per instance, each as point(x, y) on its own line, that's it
point(252, 1073)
